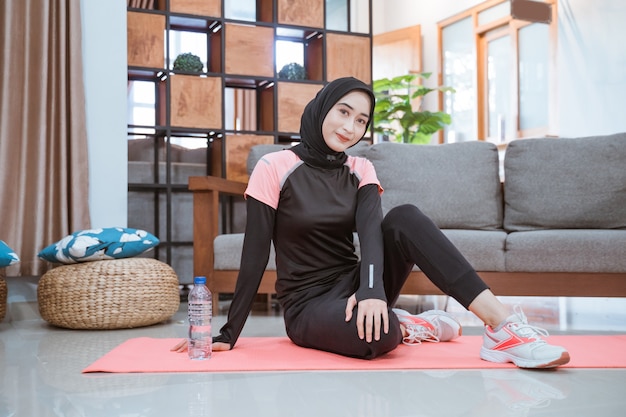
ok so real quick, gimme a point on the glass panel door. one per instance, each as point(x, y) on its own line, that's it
point(459, 72)
point(534, 88)
point(501, 125)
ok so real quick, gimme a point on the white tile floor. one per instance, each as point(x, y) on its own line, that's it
point(40, 374)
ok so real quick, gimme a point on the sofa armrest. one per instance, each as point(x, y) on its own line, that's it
point(206, 197)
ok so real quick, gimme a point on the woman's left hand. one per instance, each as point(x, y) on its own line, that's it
point(371, 316)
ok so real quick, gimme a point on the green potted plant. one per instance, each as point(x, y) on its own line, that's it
point(292, 71)
point(398, 111)
point(188, 62)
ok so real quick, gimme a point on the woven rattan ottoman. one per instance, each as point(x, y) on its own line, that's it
point(111, 294)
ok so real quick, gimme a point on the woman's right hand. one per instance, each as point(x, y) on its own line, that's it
point(182, 346)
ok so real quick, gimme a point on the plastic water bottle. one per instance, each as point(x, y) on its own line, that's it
point(200, 312)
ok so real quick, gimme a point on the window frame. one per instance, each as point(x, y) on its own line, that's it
point(503, 26)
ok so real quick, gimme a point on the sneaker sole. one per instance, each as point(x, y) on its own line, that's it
point(503, 357)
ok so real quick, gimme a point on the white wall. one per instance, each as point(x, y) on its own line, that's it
point(104, 60)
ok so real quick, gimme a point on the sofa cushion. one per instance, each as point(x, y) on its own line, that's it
point(565, 183)
point(483, 249)
point(571, 250)
point(227, 252)
point(258, 151)
point(360, 149)
point(457, 185)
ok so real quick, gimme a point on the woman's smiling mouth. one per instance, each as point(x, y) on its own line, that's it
point(343, 138)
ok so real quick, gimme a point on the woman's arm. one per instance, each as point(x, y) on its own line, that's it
point(256, 252)
point(372, 312)
point(369, 217)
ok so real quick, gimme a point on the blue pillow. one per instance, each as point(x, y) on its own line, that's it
point(7, 255)
point(98, 245)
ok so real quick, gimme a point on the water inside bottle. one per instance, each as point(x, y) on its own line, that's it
point(200, 342)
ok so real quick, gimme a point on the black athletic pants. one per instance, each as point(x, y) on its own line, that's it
point(410, 238)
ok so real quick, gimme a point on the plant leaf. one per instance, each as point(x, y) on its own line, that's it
point(394, 113)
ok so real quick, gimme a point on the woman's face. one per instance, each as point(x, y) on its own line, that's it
point(346, 121)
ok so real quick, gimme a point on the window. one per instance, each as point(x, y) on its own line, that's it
point(459, 70)
point(500, 68)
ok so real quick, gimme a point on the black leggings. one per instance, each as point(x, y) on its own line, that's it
point(410, 238)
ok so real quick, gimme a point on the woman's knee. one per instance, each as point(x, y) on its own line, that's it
point(376, 348)
point(387, 342)
point(403, 215)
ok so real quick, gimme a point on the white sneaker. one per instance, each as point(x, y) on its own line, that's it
point(520, 343)
point(429, 326)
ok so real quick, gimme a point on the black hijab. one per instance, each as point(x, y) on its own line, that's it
point(313, 149)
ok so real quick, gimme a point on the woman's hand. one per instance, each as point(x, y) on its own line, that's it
point(182, 346)
point(372, 313)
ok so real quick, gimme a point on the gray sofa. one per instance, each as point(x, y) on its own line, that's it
point(546, 219)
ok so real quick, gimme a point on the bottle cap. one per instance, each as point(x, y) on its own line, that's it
point(199, 280)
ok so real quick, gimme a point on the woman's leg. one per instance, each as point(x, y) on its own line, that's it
point(411, 238)
point(489, 309)
point(320, 324)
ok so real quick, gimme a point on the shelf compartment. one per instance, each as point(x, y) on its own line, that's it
point(313, 52)
point(265, 10)
point(292, 98)
point(196, 101)
point(266, 107)
point(308, 13)
point(211, 8)
point(314, 57)
point(146, 39)
point(348, 55)
point(249, 50)
point(235, 149)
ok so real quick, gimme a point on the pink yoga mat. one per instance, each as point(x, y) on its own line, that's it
point(255, 354)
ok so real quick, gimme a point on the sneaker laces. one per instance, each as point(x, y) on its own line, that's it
point(417, 333)
point(522, 328)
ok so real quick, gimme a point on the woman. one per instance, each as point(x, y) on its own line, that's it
point(309, 199)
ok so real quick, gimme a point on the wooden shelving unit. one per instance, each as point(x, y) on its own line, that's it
point(238, 100)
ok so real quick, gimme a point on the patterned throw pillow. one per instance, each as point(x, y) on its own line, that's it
point(98, 245)
point(7, 255)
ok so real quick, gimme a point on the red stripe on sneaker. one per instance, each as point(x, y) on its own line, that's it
point(513, 341)
point(420, 322)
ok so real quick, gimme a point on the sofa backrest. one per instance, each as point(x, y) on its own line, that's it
point(565, 183)
point(457, 185)
point(257, 152)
